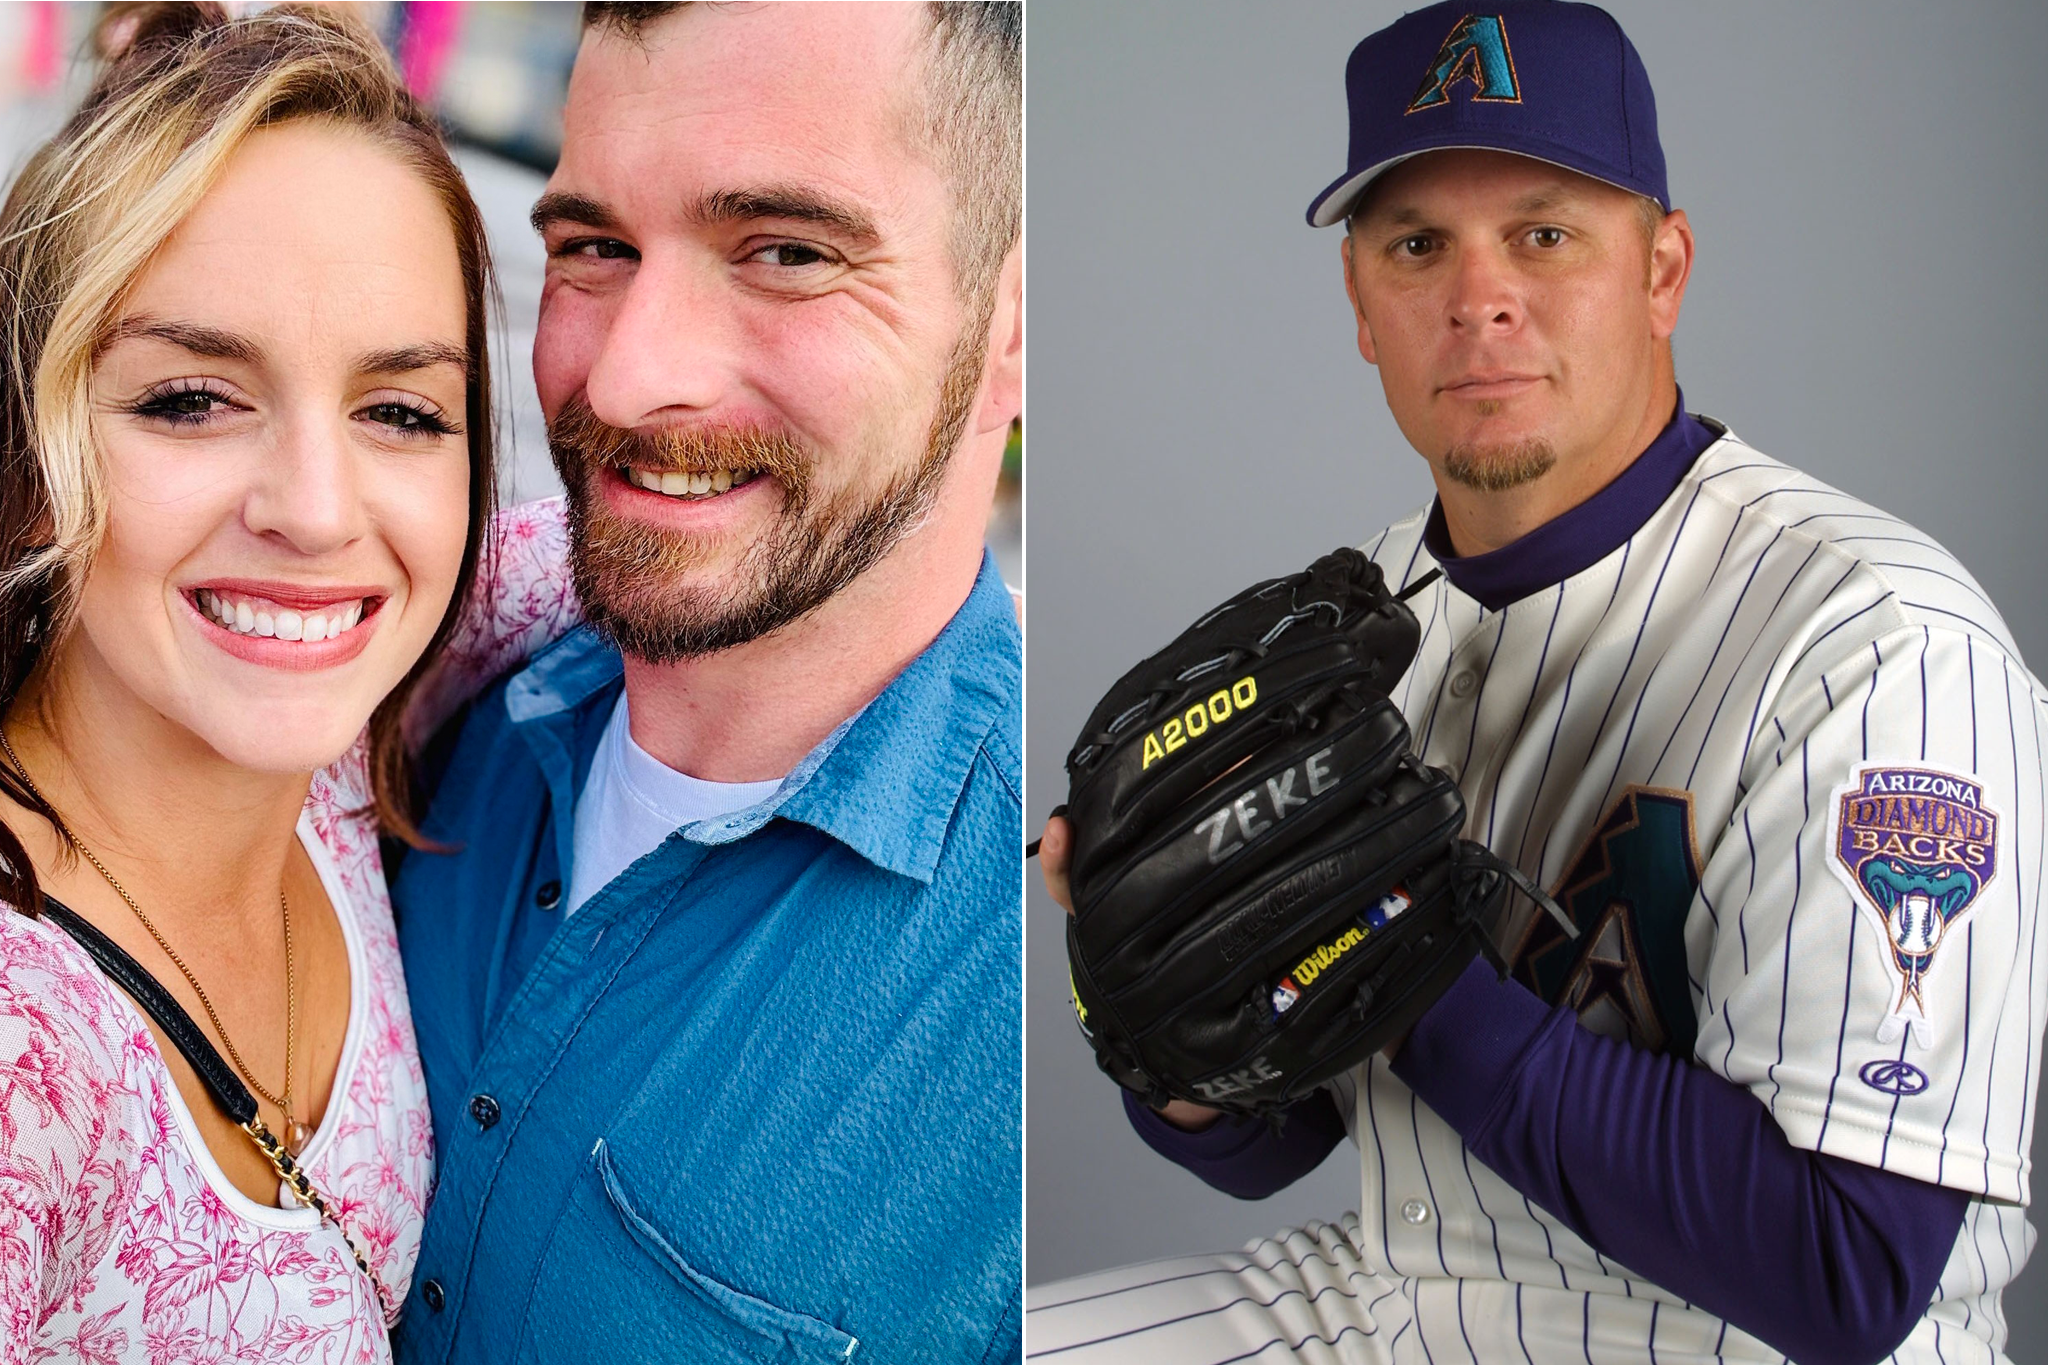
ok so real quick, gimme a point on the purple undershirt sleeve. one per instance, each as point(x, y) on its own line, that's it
point(1682, 1175)
point(1245, 1157)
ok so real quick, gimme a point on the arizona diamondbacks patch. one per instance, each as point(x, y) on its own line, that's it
point(1916, 848)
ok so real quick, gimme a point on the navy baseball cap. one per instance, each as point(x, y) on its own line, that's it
point(1541, 78)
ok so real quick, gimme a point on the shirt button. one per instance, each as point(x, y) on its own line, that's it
point(432, 1293)
point(1415, 1211)
point(484, 1110)
point(548, 896)
point(1463, 683)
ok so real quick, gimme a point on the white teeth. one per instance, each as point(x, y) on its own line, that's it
point(673, 483)
point(261, 617)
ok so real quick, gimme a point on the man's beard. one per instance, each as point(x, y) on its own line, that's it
point(631, 576)
point(1504, 465)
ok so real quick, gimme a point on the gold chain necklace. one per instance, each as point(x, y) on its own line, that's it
point(295, 1133)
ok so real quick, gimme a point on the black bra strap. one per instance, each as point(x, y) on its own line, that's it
point(228, 1090)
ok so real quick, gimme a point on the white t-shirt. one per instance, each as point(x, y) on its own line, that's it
point(632, 801)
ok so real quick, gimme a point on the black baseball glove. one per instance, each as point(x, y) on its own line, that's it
point(1268, 886)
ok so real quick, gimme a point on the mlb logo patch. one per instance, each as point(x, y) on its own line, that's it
point(1388, 907)
point(1284, 996)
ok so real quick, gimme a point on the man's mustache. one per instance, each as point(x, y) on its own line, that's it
point(578, 439)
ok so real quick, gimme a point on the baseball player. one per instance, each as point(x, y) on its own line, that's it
point(1771, 749)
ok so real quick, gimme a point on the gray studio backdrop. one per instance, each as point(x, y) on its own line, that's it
point(1870, 194)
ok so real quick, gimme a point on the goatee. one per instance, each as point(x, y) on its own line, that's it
point(1503, 465)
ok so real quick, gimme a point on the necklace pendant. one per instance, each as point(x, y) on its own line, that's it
point(296, 1136)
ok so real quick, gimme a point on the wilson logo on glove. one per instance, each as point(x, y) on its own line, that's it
point(1313, 966)
point(1196, 721)
point(1291, 988)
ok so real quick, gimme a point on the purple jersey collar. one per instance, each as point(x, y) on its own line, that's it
point(1580, 538)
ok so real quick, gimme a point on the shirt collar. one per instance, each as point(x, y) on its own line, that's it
point(580, 667)
point(889, 788)
point(1576, 540)
point(885, 782)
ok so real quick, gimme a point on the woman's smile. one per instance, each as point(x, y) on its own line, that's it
point(282, 626)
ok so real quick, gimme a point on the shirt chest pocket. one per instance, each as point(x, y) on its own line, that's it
point(613, 1285)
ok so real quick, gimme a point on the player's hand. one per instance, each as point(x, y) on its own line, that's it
point(1189, 1116)
point(1055, 851)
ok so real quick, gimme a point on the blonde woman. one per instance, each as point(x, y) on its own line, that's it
point(244, 464)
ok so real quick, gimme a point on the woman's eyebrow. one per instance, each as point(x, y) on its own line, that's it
point(211, 342)
point(406, 359)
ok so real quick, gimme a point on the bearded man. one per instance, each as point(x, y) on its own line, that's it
point(717, 985)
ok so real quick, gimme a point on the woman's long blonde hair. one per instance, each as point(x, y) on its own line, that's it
point(182, 87)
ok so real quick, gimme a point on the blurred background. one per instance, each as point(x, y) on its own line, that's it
point(496, 75)
point(1867, 184)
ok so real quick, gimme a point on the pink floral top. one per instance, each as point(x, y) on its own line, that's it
point(120, 1238)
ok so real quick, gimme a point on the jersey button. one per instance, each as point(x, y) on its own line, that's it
point(548, 895)
point(1462, 684)
point(436, 1299)
point(1415, 1212)
point(484, 1110)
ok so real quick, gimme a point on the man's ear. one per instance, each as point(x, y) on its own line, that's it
point(1670, 268)
point(1002, 395)
point(1366, 347)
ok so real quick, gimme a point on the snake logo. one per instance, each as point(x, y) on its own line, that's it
point(1917, 848)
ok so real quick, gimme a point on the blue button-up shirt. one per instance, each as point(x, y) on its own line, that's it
point(759, 1097)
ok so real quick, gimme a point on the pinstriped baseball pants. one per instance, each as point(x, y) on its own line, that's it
point(1307, 1295)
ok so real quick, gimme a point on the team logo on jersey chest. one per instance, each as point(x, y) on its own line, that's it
point(1916, 847)
point(1629, 891)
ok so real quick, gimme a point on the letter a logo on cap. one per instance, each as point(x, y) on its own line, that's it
point(1477, 50)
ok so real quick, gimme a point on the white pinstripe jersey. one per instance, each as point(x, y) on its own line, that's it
point(1803, 712)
